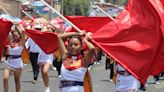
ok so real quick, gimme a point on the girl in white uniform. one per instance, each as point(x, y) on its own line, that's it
point(45, 61)
point(14, 60)
point(125, 82)
point(44, 58)
point(75, 63)
point(76, 75)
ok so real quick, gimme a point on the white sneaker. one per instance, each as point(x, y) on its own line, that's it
point(98, 63)
point(47, 89)
point(110, 80)
point(157, 83)
point(95, 63)
point(59, 76)
point(146, 85)
point(25, 65)
point(89, 68)
point(54, 68)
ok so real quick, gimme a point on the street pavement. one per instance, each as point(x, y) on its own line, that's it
point(100, 81)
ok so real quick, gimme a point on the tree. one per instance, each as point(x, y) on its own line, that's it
point(68, 9)
point(76, 7)
point(118, 2)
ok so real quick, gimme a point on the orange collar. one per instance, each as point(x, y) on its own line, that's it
point(73, 62)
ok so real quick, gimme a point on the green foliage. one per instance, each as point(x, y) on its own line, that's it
point(86, 7)
point(118, 2)
point(76, 7)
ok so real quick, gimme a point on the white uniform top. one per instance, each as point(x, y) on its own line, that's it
point(16, 62)
point(120, 68)
point(43, 58)
point(125, 83)
point(32, 46)
point(73, 75)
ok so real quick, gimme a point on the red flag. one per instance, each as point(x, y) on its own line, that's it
point(160, 65)
point(162, 1)
point(46, 41)
point(90, 24)
point(5, 27)
point(135, 38)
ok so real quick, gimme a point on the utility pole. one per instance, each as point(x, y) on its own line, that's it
point(50, 12)
point(62, 7)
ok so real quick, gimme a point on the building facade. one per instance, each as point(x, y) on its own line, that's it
point(12, 6)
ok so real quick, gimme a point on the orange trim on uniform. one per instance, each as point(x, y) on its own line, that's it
point(25, 56)
point(57, 55)
point(87, 83)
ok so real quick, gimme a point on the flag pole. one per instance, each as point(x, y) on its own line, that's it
point(61, 16)
point(27, 14)
point(105, 13)
point(7, 12)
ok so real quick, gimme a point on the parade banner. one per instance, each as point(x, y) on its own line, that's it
point(5, 27)
point(135, 38)
point(46, 41)
point(89, 24)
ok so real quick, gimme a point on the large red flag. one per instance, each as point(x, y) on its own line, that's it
point(160, 65)
point(90, 24)
point(162, 1)
point(5, 27)
point(46, 41)
point(135, 38)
